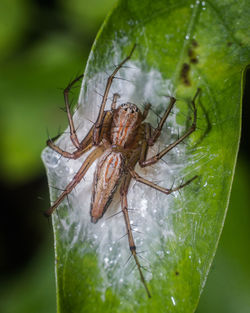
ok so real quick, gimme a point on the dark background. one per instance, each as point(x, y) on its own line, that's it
point(43, 45)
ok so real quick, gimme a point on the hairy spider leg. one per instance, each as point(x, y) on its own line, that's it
point(74, 155)
point(144, 145)
point(66, 91)
point(158, 156)
point(132, 247)
point(145, 111)
point(85, 144)
point(77, 178)
point(98, 124)
point(167, 191)
point(114, 101)
point(158, 129)
point(147, 134)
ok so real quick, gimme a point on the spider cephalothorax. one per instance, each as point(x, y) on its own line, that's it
point(126, 120)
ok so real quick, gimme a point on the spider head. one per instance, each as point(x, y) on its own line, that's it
point(130, 109)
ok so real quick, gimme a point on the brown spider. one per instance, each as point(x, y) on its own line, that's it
point(121, 139)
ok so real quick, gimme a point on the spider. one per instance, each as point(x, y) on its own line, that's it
point(120, 139)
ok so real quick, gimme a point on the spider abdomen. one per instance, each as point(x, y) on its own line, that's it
point(107, 177)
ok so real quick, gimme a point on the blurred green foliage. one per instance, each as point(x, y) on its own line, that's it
point(33, 290)
point(43, 45)
point(40, 52)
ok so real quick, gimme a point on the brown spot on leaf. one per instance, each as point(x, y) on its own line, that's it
point(192, 56)
point(194, 60)
point(194, 43)
point(190, 52)
point(185, 74)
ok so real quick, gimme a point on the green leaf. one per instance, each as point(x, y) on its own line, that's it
point(181, 46)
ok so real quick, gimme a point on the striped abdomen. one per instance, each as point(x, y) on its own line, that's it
point(107, 177)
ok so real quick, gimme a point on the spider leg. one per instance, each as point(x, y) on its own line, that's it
point(159, 155)
point(145, 111)
point(144, 146)
point(74, 155)
point(98, 124)
point(124, 205)
point(158, 129)
point(115, 97)
point(77, 178)
point(167, 191)
point(66, 91)
point(85, 144)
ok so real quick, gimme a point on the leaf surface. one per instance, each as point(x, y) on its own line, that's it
point(180, 46)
